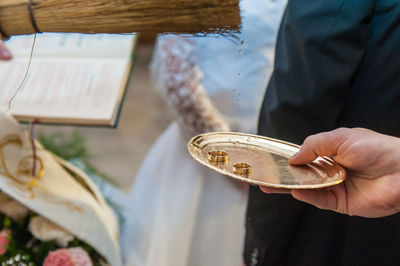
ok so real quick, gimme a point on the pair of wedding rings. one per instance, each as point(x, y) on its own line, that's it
point(239, 168)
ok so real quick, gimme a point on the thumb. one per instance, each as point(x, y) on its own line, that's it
point(322, 144)
point(5, 54)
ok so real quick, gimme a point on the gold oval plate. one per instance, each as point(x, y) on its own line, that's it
point(262, 161)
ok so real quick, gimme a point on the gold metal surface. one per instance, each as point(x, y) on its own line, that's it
point(242, 169)
point(263, 161)
point(217, 156)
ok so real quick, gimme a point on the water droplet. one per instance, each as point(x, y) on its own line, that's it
point(240, 52)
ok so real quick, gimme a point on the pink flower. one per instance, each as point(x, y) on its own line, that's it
point(60, 257)
point(81, 257)
point(68, 257)
point(4, 241)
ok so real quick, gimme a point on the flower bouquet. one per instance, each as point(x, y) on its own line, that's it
point(51, 213)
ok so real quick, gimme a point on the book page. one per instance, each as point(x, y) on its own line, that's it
point(73, 88)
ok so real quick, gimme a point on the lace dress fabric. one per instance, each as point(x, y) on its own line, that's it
point(178, 77)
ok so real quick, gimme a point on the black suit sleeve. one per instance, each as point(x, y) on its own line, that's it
point(320, 46)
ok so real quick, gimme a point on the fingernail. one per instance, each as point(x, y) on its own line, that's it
point(294, 155)
point(4, 53)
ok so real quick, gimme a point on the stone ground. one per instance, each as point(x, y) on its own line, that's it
point(119, 152)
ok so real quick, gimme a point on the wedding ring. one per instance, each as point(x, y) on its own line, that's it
point(242, 169)
point(217, 156)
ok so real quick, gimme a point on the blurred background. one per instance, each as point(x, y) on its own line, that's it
point(118, 152)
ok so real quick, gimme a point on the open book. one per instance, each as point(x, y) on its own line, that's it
point(73, 79)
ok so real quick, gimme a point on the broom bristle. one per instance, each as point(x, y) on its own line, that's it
point(120, 16)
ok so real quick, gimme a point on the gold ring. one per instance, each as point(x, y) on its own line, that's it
point(217, 156)
point(242, 168)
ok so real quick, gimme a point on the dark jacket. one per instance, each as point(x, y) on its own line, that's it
point(337, 65)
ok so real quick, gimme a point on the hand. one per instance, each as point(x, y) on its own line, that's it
point(5, 54)
point(372, 160)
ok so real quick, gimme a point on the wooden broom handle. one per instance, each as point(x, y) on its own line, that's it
point(119, 16)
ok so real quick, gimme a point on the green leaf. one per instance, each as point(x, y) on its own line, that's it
point(67, 148)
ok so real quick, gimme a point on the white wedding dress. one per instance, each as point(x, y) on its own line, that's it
point(179, 212)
